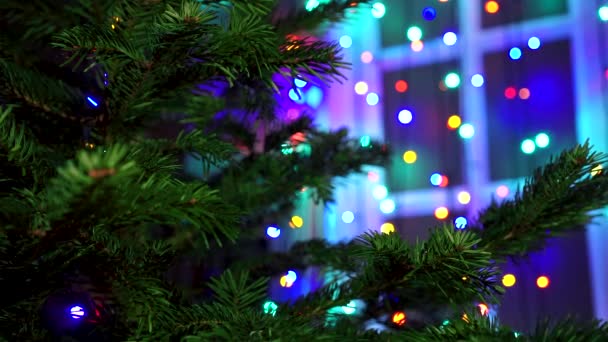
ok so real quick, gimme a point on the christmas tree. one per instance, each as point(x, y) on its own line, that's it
point(95, 207)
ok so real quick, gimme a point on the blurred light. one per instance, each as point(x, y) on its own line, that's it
point(285, 282)
point(361, 88)
point(77, 312)
point(502, 191)
point(464, 197)
point(528, 146)
point(311, 5)
point(452, 80)
point(441, 213)
point(508, 280)
point(483, 309)
point(466, 131)
point(379, 192)
point(300, 83)
point(414, 33)
point(297, 221)
point(348, 217)
point(602, 12)
point(542, 282)
point(596, 170)
point(314, 96)
point(510, 93)
point(515, 53)
point(367, 57)
point(429, 13)
point(365, 141)
point(533, 43)
point(524, 93)
point(346, 41)
point(349, 308)
point(435, 179)
point(387, 228)
point(372, 99)
point(387, 206)
point(444, 181)
point(296, 95)
point(442, 86)
point(454, 122)
point(291, 276)
point(417, 45)
point(292, 113)
point(492, 7)
point(270, 307)
point(378, 10)
point(450, 38)
point(460, 222)
point(91, 101)
point(401, 86)
point(405, 116)
point(399, 318)
point(477, 80)
point(409, 157)
point(373, 176)
point(541, 140)
point(273, 232)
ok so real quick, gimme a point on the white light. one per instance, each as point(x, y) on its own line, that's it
point(273, 232)
point(466, 131)
point(348, 217)
point(414, 33)
point(452, 80)
point(533, 43)
point(460, 222)
point(300, 83)
point(528, 146)
point(380, 192)
point(372, 99)
point(541, 140)
point(346, 41)
point(378, 10)
point(477, 80)
point(405, 116)
point(291, 276)
point(387, 206)
point(450, 38)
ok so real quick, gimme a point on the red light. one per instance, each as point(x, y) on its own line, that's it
point(373, 177)
point(399, 318)
point(510, 93)
point(444, 181)
point(401, 86)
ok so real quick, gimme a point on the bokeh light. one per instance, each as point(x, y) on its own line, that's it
point(401, 86)
point(452, 80)
point(346, 41)
point(387, 228)
point(414, 33)
point(270, 307)
point(361, 88)
point(365, 141)
point(491, 7)
point(405, 116)
point(477, 80)
point(515, 53)
point(596, 170)
point(409, 157)
point(508, 280)
point(297, 221)
point(541, 140)
point(284, 281)
point(502, 191)
point(378, 10)
point(367, 57)
point(77, 312)
point(311, 5)
point(602, 12)
point(524, 93)
point(464, 197)
point(460, 222)
point(444, 181)
point(542, 282)
point(528, 146)
point(510, 93)
point(483, 309)
point(466, 131)
point(450, 38)
point(387, 206)
point(372, 99)
point(399, 318)
point(435, 179)
point(441, 213)
point(273, 232)
point(348, 217)
point(379, 192)
point(349, 308)
point(429, 13)
point(373, 176)
point(417, 45)
point(454, 121)
point(300, 83)
point(533, 43)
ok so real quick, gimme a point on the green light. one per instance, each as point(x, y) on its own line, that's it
point(312, 4)
point(452, 80)
point(602, 12)
point(414, 33)
point(528, 146)
point(365, 141)
point(541, 140)
point(378, 10)
point(270, 307)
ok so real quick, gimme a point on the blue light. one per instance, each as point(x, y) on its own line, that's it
point(348, 217)
point(515, 53)
point(300, 83)
point(429, 13)
point(533, 43)
point(314, 96)
point(372, 99)
point(291, 276)
point(450, 38)
point(436, 179)
point(460, 222)
point(405, 116)
point(477, 80)
point(77, 312)
point(296, 96)
point(273, 232)
point(346, 42)
point(387, 206)
point(91, 101)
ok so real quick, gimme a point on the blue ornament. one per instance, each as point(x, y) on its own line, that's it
point(429, 13)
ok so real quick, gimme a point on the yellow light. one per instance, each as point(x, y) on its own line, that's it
point(492, 7)
point(465, 318)
point(297, 221)
point(464, 278)
point(113, 26)
point(508, 280)
point(596, 170)
point(483, 309)
point(441, 213)
point(409, 157)
point(387, 228)
point(285, 281)
point(542, 282)
point(399, 318)
point(464, 197)
point(361, 88)
point(454, 122)
point(417, 45)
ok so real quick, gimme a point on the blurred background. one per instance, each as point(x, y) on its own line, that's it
point(472, 96)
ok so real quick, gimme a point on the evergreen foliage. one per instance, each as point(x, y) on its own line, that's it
point(92, 203)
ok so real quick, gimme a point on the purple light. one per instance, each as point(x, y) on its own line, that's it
point(77, 312)
point(93, 102)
